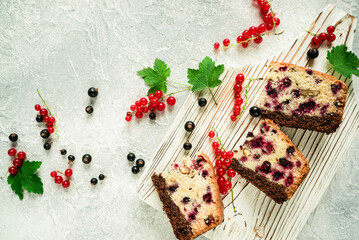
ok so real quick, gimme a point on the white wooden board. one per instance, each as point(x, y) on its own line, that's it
point(257, 215)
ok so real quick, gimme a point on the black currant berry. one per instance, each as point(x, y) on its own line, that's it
point(71, 158)
point(131, 157)
point(152, 116)
point(44, 133)
point(13, 137)
point(47, 146)
point(189, 126)
point(135, 169)
point(86, 158)
point(93, 181)
point(39, 118)
point(63, 151)
point(89, 109)
point(187, 146)
point(140, 162)
point(101, 177)
point(92, 92)
point(313, 53)
point(202, 102)
point(255, 111)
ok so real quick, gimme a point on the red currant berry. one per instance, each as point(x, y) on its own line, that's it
point(240, 78)
point(143, 101)
point(128, 118)
point(267, 19)
point(53, 174)
point(58, 179)
point(226, 42)
point(171, 101)
point(240, 39)
point(236, 110)
point(245, 34)
point(133, 108)
point(331, 37)
point(260, 2)
point(258, 39)
point(154, 103)
point(265, 8)
point(161, 106)
point(11, 152)
point(66, 184)
point(43, 112)
point(144, 109)
point(68, 172)
point(52, 120)
point(238, 101)
point(215, 145)
point(49, 125)
point(151, 107)
point(151, 96)
point(138, 104)
point(50, 129)
point(158, 94)
point(276, 21)
point(331, 29)
point(229, 154)
point(227, 185)
point(233, 118)
point(322, 37)
point(218, 152)
point(245, 44)
point(138, 115)
point(211, 134)
point(223, 191)
point(21, 155)
point(262, 28)
point(227, 162)
point(221, 180)
point(315, 41)
point(37, 107)
point(12, 170)
point(238, 88)
point(216, 45)
point(46, 119)
point(219, 163)
point(269, 26)
point(231, 173)
point(17, 162)
point(221, 172)
point(252, 31)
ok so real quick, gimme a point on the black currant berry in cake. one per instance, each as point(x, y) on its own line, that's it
point(92, 92)
point(189, 126)
point(271, 162)
point(86, 158)
point(190, 197)
point(303, 98)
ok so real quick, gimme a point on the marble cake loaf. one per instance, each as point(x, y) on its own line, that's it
point(271, 162)
point(303, 98)
point(190, 197)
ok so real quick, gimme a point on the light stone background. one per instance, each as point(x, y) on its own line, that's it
point(65, 47)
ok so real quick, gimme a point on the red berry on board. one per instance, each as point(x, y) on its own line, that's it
point(43, 112)
point(143, 101)
point(161, 106)
point(144, 109)
point(237, 88)
point(218, 152)
point(215, 145)
point(154, 103)
point(221, 180)
point(262, 28)
point(240, 78)
point(21, 155)
point(51, 130)
point(37, 107)
point(221, 172)
point(128, 118)
point(68, 172)
point(238, 101)
point(240, 39)
point(12, 170)
point(269, 26)
point(53, 174)
point(276, 21)
point(315, 41)
point(258, 39)
point(245, 34)
point(17, 162)
point(330, 29)
point(216, 45)
point(11, 152)
point(231, 173)
point(227, 185)
point(267, 19)
point(65, 184)
point(171, 101)
point(211, 134)
point(138, 115)
point(58, 179)
point(252, 30)
point(322, 37)
point(226, 42)
point(219, 163)
point(331, 37)
point(223, 191)
point(236, 110)
point(245, 44)
point(52, 120)
point(233, 118)
point(230, 154)
point(158, 94)
point(133, 108)
point(227, 162)
point(46, 119)
point(151, 96)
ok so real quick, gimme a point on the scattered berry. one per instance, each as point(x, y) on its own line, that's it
point(92, 92)
point(189, 126)
point(131, 157)
point(63, 152)
point(86, 158)
point(135, 170)
point(161, 106)
point(128, 118)
point(159, 94)
point(211, 134)
point(43, 112)
point(13, 137)
point(89, 109)
point(216, 45)
point(152, 116)
point(202, 102)
point(39, 118)
point(71, 158)
point(187, 146)
point(331, 37)
point(12, 170)
point(51, 130)
point(53, 174)
point(226, 42)
point(21, 155)
point(66, 184)
point(315, 41)
point(255, 111)
point(231, 173)
point(11, 152)
point(140, 163)
point(17, 162)
point(93, 181)
point(47, 146)
point(171, 101)
point(45, 133)
point(313, 53)
point(37, 107)
point(240, 78)
point(58, 179)
point(330, 29)
point(68, 172)
point(101, 177)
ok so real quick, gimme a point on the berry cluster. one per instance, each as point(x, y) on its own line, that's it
point(238, 98)
point(94, 181)
point(17, 161)
point(151, 104)
point(92, 92)
point(60, 180)
point(224, 160)
point(45, 116)
point(324, 36)
point(139, 163)
point(254, 33)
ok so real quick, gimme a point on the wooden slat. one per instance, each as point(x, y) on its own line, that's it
point(258, 216)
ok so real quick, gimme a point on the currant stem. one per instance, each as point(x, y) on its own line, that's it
point(246, 94)
point(55, 124)
point(218, 139)
point(275, 27)
point(6, 172)
point(67, 178)
point(311, 33)
point(183, 84)
point(251, 38)
point(172, 93)
point(234, 207)
point(213, 96)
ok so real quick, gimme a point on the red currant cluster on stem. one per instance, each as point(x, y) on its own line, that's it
point(60, 180)
point(151, 104)
point(17, 161)
point(48, 119)
point(324, 36)
point(254, 33)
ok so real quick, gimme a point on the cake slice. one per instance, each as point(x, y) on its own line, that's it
point(271, 162)
point(190, 197)
point(303, 98)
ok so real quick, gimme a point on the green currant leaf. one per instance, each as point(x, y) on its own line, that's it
point(344, 62)
point(15, 184)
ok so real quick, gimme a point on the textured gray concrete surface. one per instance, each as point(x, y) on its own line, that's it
point(64, 47)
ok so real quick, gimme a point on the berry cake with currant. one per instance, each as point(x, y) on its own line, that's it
point(190, 197)
point(298, 97)
point(271, 162)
